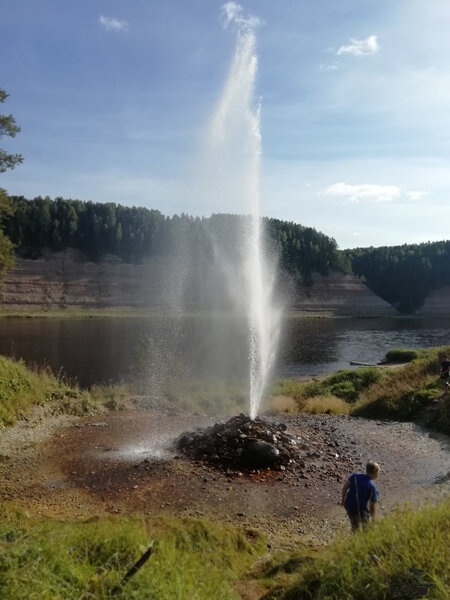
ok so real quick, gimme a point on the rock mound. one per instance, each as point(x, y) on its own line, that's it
point(241, 444)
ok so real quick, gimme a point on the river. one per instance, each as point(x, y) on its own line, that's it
point(104, 350)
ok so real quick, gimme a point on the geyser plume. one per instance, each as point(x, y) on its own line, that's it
point(235, 164)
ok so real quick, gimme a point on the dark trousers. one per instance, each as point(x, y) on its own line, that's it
point(358, 520)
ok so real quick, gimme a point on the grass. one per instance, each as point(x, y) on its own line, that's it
point(92, 312)
point(22, 388)
point(192, 559)
point(401, 355)
point(409, 392)
point(43, 559)
point(401, 554)
point(334, 394)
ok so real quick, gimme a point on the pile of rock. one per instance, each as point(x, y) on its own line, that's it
point(242, 443)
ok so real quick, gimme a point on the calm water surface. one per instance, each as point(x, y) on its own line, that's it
point(111, 350)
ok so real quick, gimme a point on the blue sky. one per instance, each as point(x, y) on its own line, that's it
point(113, 98)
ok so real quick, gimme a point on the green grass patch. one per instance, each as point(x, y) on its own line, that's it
point(398, 557)
point(401, 355)
point(192, 559)
point(345, 385)
point(22, 388)
point(406, 391)
point(409, 392)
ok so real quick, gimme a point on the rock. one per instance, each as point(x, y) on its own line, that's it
point(242, 444)
point(260, 454)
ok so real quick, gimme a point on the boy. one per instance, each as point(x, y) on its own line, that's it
point(360, 495)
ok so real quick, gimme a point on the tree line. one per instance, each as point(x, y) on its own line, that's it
point(136, 233)
point(403, 275)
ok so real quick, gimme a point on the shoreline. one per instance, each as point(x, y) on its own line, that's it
point(128, 313)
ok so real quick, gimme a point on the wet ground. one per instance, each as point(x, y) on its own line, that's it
point(125, 462)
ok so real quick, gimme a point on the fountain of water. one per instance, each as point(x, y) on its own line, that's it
point(235, 144)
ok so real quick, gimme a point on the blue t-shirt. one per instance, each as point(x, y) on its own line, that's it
point(362, 491)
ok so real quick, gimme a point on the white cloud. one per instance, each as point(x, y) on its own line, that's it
point(364, 192)
point(416, 195)
point(360, 47)
point(232, 12)
point(113, 24)
point(328, 67)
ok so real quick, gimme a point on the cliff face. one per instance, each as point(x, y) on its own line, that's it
point(437, 303)
point(66, 279)
point(341, 294)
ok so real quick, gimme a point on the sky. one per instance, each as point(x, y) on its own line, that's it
point(113, 99)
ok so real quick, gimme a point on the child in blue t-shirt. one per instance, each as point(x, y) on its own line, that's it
point(360, 495)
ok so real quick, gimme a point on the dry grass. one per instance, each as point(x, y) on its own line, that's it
point(282, 404)
point(319, 405)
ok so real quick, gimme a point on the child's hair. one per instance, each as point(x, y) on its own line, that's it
point(372, 467)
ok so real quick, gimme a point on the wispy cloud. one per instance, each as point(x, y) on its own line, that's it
point(232, 12)
point(113, 24)
point(330, 67)
point(360, 47)
point(364, 192)
point(416, 195)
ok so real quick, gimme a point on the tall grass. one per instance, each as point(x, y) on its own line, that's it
point(400, 556)
point(192, 559)
point(332, 394)
point(22, 388)
point(401, 393)
point(406, 391)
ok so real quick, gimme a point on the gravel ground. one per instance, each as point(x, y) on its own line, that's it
point(125, 462)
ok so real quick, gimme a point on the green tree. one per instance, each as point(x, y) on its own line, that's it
point(8, 127)
point(6, 247)
point(7, 161)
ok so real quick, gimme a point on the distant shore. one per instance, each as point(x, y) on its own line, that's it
point(71, 312)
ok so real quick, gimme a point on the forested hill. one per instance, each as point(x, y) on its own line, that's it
point(403, 275)
point(98, 229)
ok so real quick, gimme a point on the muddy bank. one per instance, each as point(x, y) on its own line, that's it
point(126, 463)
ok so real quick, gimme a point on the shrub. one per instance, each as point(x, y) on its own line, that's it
point(403, 406)
point(361, 378)
point(401, 355)
point(345, 390)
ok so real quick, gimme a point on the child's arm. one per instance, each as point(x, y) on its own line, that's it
point(344, 491)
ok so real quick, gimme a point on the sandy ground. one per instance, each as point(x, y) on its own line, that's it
point(124, 463)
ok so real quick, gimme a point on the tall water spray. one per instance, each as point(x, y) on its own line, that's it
point(235, 143)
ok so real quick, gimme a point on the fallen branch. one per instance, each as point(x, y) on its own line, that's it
point(134, 569)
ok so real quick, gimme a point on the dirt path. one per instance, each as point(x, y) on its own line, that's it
point(123, 463)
